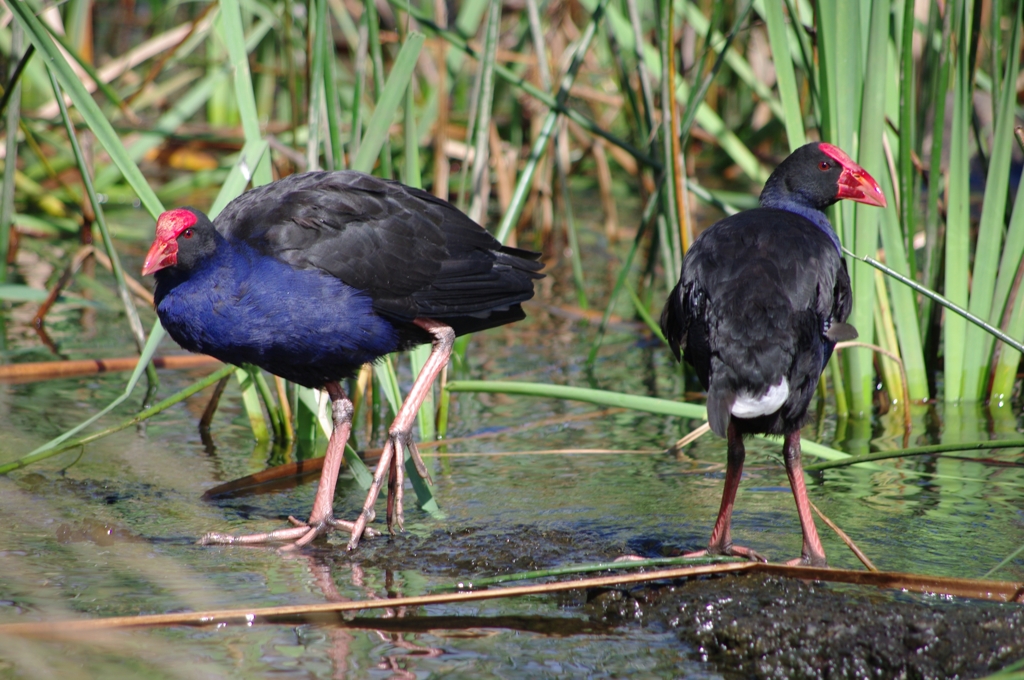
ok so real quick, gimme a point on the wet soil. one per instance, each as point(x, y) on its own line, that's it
point(755, 626)
point(480, 553)
point(742, 626)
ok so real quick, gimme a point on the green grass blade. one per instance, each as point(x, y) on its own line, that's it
point(332, 103)
point(90, 111)
point(181, 110)
point(516, 80)
point(1009, 358)
point(670, 238)
point(240, 175)
point(916, 451)
point(620, 282)
point(316, 86)
point(19, 292)
point(958, 216)
point(870, 155)
point(730, 143)
point(956, 309)
point(306, 407)
point(793, 117)
point(1009, 263)
point(827, 75)
point(990, 231)
point(705, 116)
point(1005, 374)
point(733, 58)
point(885, 337)
point(480, 182)
point(934, 236)
point(387, 380)
point(635, 31)
point(525, 182)
point(48, 451)
point(234, 38)
point(908, 134)
point(102, 86)
point(273, 409)
point(13, 114)
point(251, 402)
point(904, 304)
point(700, 93)
point(665, 407)
point(101, 221)
point(645, 315)
point(669, 222)
point(372, 23)
point(634, 402)
point(841, 74)
point(391, 97)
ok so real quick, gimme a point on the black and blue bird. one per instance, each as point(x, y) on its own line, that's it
point(314, 275)
point(761, 303)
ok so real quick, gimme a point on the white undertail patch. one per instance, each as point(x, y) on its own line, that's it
point(749, 406)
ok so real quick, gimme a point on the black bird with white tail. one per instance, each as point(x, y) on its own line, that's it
point(762, 300)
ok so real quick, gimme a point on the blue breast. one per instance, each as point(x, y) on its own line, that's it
point(301, 324)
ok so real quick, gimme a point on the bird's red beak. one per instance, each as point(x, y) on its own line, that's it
point(161, 254)
point(854, 183)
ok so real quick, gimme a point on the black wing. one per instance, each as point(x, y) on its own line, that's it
point(414, 254)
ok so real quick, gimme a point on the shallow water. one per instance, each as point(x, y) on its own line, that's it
point(111, 530)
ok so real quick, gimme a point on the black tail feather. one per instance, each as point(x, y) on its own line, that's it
point(720, 401)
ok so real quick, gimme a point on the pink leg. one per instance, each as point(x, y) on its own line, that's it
point(393, 489)
point(721, 536)
point(322, 516)
point(813, 552)
point(400, 432)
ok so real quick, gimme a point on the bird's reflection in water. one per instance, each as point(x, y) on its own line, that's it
point(340, 634)
point(399, 627)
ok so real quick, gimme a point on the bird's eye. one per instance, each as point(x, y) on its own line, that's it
point(824, 166)
point(187, 233)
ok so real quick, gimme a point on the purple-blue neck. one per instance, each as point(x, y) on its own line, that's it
point(793, 204)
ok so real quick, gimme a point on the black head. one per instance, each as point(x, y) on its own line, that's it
point(183, 238)
point(817, 175)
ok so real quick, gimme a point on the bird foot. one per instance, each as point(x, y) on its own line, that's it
point(301, 534)
point(730, 550)
point(403, 440)
point(809, 561)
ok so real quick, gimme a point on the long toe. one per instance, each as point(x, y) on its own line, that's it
point(729, 550)
point(808, 561)
point(348, 526)
point(294, 537)
point(290, 534)
point(741, 551)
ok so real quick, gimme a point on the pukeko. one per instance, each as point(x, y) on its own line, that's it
point(762, 300)
point(314, 275)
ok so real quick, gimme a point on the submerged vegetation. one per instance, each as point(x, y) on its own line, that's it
point(677, 108)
